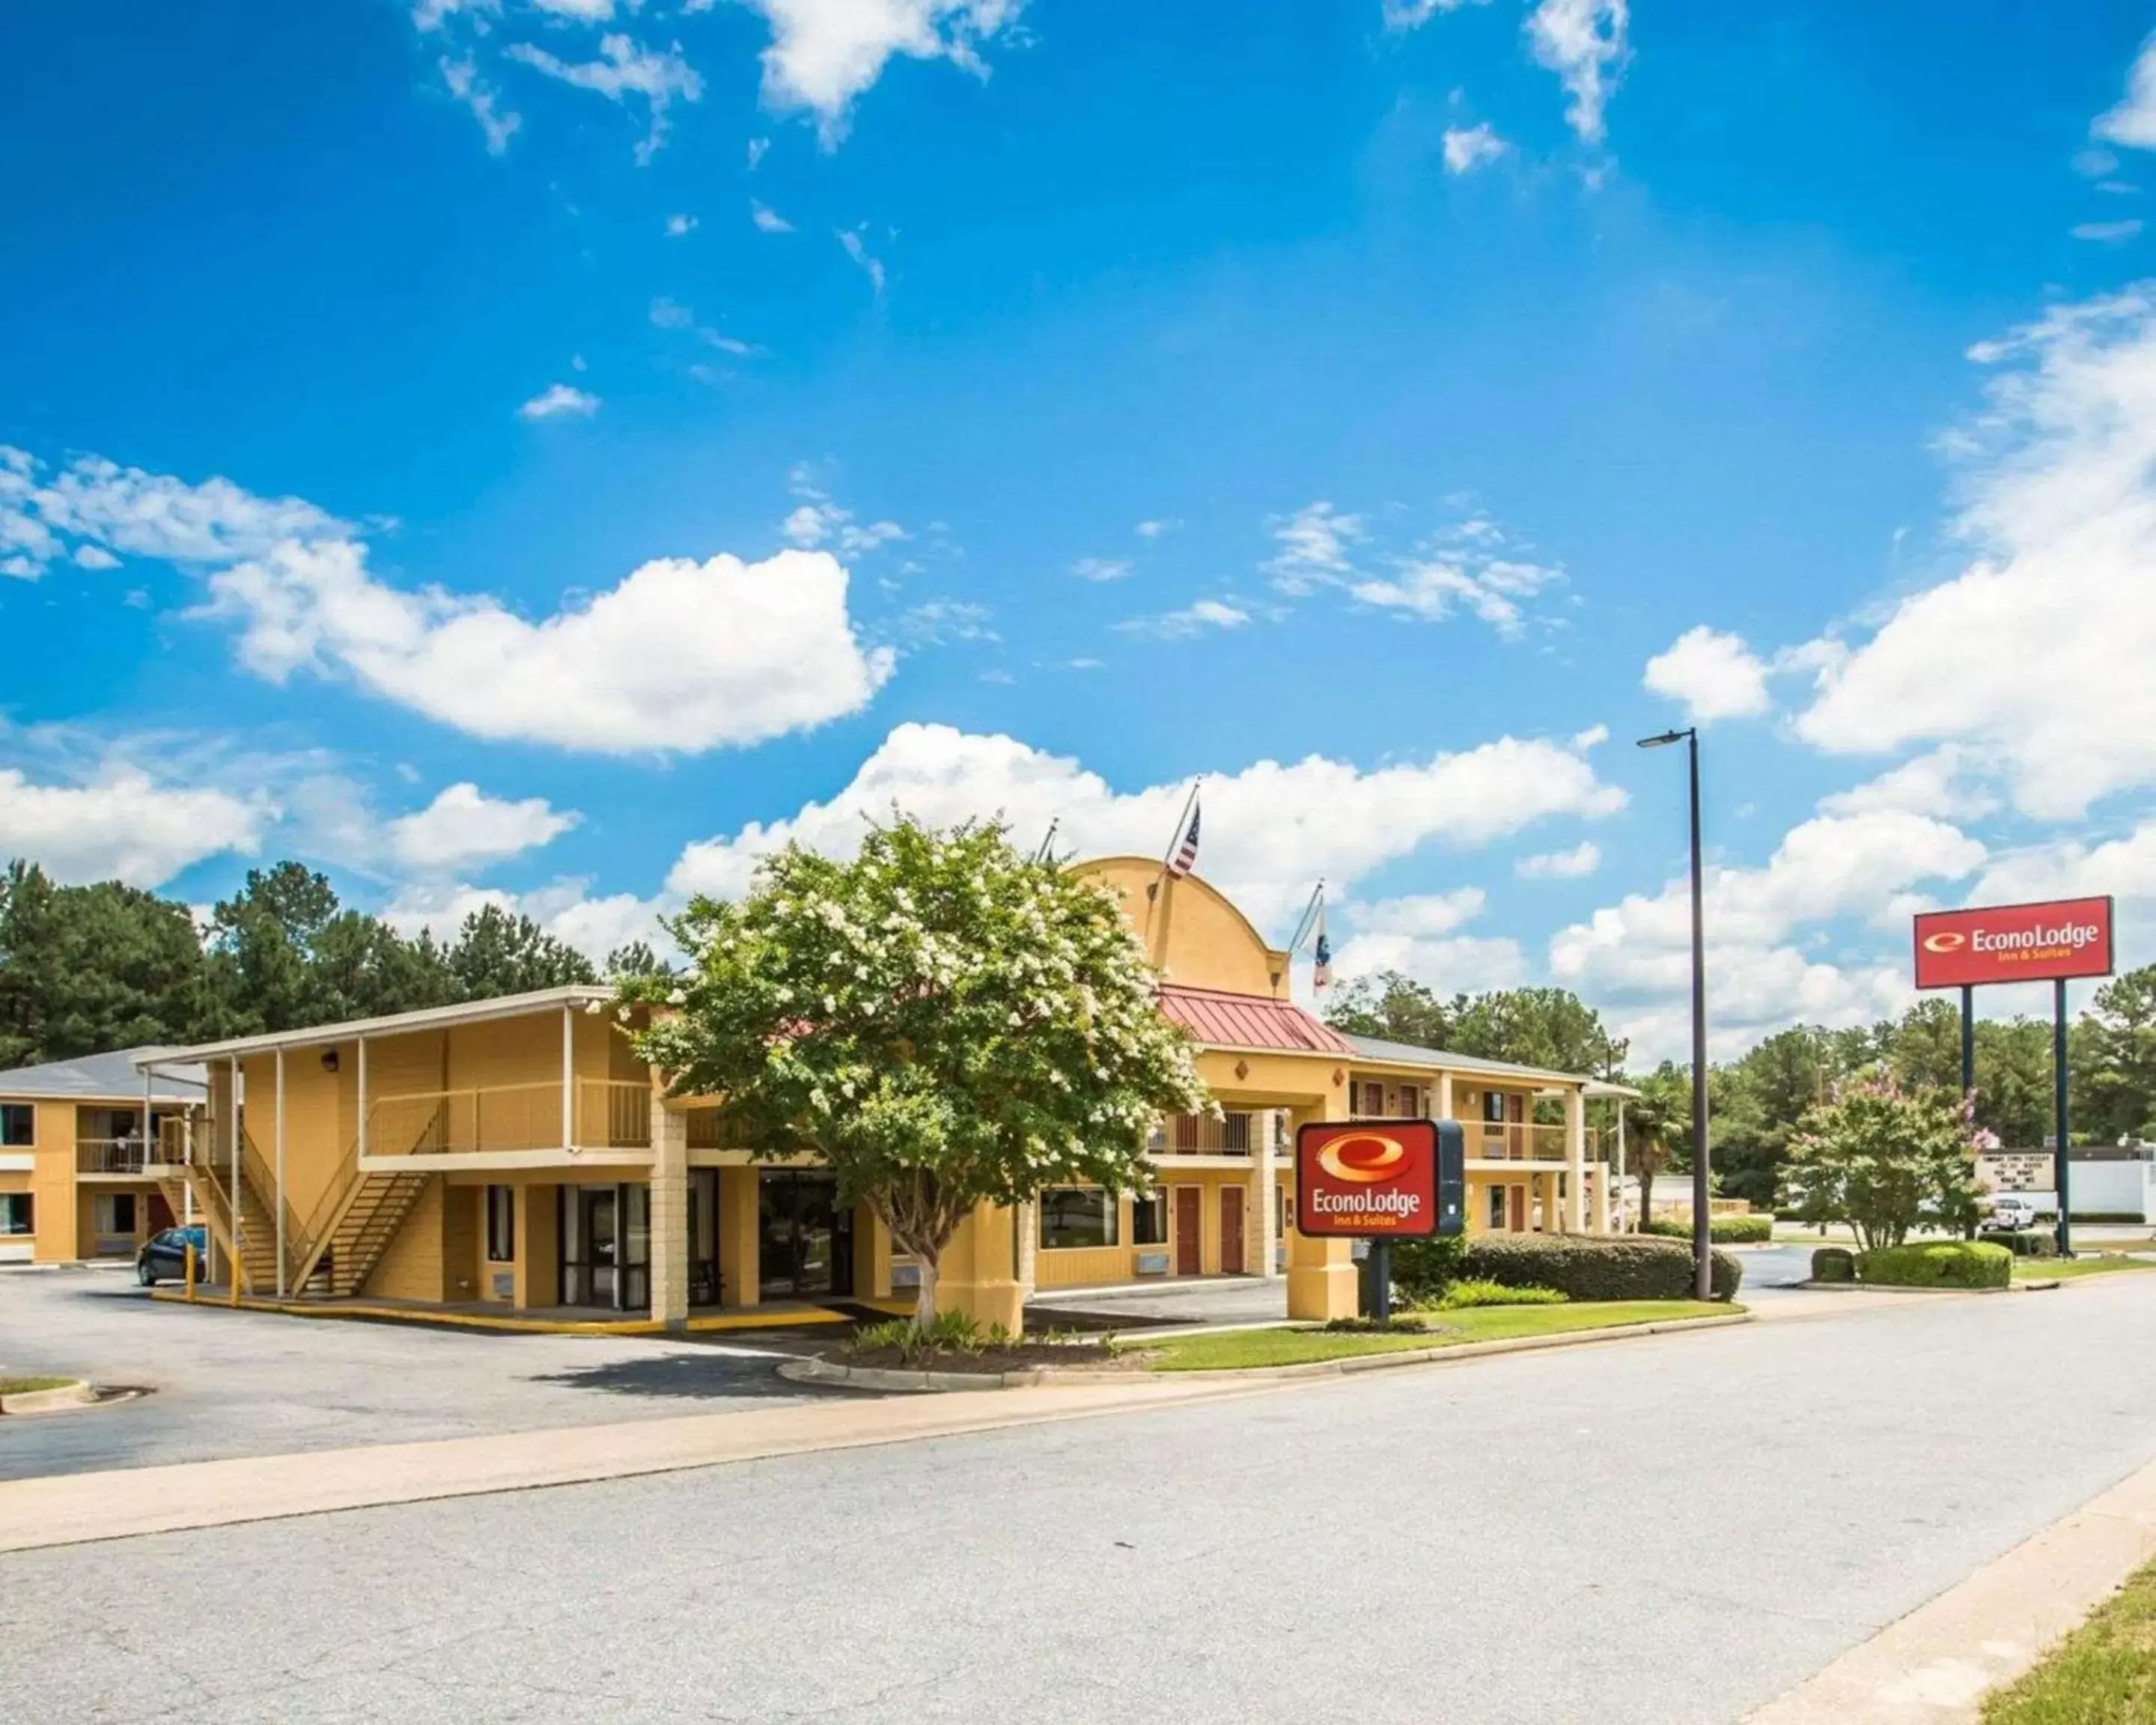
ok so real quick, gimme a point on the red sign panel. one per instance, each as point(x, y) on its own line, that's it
point(1367, 1178)
point(2014, 943)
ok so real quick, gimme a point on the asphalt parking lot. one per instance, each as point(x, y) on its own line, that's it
point(225, 1383)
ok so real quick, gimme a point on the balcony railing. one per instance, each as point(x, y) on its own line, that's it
point(608, 1114)
point(1232, 1134)
point(109, 1156)
point(1515, 1141)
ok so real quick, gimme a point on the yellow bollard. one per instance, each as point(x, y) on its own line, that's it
point(191, 1272)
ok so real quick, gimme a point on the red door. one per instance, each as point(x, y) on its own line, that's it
point(1231, 1230)
point(161, 1213)
point(1189, 1219)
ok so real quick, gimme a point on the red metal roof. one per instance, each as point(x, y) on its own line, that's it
point(1226, 1020)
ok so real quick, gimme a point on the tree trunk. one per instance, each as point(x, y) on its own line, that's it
point(924, 1298)
point(1646, 1201)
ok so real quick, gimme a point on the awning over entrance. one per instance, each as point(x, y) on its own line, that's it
point(1226, 1020)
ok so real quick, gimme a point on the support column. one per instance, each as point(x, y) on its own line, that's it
point(1575, 1160)
point(1320, 1273)
point(1601, 1214)
point(740, 1270)
point(569, 1080)
point(1260, 1200)
point(538, 1271)
point(280, 1173)
point(1029, 1246)
point(1444, 1096)
point(979, 1274)
point(670, 1214)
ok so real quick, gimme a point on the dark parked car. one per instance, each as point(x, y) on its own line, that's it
point(165, 1255)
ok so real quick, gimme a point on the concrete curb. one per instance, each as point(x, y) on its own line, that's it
point(812, 1370)
point(76, 1394)
point(1895, 1287)
point(1935, 1665)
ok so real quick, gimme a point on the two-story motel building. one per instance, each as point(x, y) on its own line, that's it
point(74, 1183)
point(514, 1156)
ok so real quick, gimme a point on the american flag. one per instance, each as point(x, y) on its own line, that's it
point(1186, 853)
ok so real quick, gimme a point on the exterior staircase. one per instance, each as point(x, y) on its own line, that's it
point(379, 1205)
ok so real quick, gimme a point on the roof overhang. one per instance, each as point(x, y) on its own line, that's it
point(432, 1018)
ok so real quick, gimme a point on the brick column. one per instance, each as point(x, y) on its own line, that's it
point(669, 1215)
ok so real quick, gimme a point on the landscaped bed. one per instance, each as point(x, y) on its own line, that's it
point(2103, 1674)
point(1244, 1350)
point(987, 1360)
point(24, 1386)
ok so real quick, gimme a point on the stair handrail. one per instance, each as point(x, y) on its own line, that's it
point(320, 1227)
point(257, 1173)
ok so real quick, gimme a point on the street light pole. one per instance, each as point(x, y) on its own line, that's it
point(1702, 1238)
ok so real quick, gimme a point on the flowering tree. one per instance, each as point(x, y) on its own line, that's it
point(944, 1022)
point(1882, 1158)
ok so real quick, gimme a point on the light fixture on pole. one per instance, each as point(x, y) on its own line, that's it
point(1702, 1248)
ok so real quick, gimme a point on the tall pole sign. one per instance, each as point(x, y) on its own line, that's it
point(2053, 942)
point(1380, 1180)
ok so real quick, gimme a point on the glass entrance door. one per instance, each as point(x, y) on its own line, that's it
point(606, 1246)
point(805, 1240)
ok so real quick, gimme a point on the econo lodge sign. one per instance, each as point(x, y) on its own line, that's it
point(2014, 943)
point(1368, 1180)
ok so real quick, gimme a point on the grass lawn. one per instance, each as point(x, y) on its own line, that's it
point(1235, 1350)
point(2103, 1674)
point(2044, 1268)
point(23, 1386)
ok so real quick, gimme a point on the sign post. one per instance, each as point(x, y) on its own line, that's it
point(1380, 1180)
point(2051, 942)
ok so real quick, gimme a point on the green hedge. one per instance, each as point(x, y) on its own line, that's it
point(2029, 1243)
point(1960, 1265)
point(1834, 1264)
point(1722, 1230)
point(1582, 1267)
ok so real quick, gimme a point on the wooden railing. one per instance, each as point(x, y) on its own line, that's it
point(614, 1114)
point(1234, 1133)
point(1515, 1141)
point(109, 1156)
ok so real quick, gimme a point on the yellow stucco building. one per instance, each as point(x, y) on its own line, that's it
point(73, 1156)
point(515, 1154)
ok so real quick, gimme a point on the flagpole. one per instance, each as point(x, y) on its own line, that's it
point(1309, 916)
point(1175, 838)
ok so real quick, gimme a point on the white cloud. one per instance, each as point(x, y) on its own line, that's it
point(671, 315)
point(1433, 589)
point(1943, 784)
point(857, 249)
point(94, 557)
point(1764, 925)
point(1102, 568)
point(1314, 545)
point(767, 219)
point(1411, 14)
point(585, 11)
point(1583, 860)
point(681, 656)
point(464, 827)
point(940, 623)
point(564, 908)
point(2133, 123)
point(1271, 829)
point(1714, 674)
point(122, 826)
point(824, 54)
point(109, 508)
point(625, 68)
point(462, 78)
point(1154, 529)
point(1470, 963)
point(1426, 913)
point(1192, 619)
point(558, 398)
point(2107, 233)
point(756, 148)
point(817, 521)
point(677, 225)
point(1467, 148)
point(2037, 657)
point(1582, 41)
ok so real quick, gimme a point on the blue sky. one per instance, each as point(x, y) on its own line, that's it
point(550, 451)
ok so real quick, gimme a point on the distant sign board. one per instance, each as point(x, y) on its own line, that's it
point(2014, 943)
point(1380, 1180)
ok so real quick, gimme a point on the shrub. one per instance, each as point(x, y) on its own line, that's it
point(1584, 1267)
point(2029, 1243)
point(1722, 1230)
point(1463, 1294)
point(1834, 1264)
point(952, 1332)
point(1962, 1264)
point(1424, 1269)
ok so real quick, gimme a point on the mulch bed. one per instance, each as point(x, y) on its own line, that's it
point(1074, 1356)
